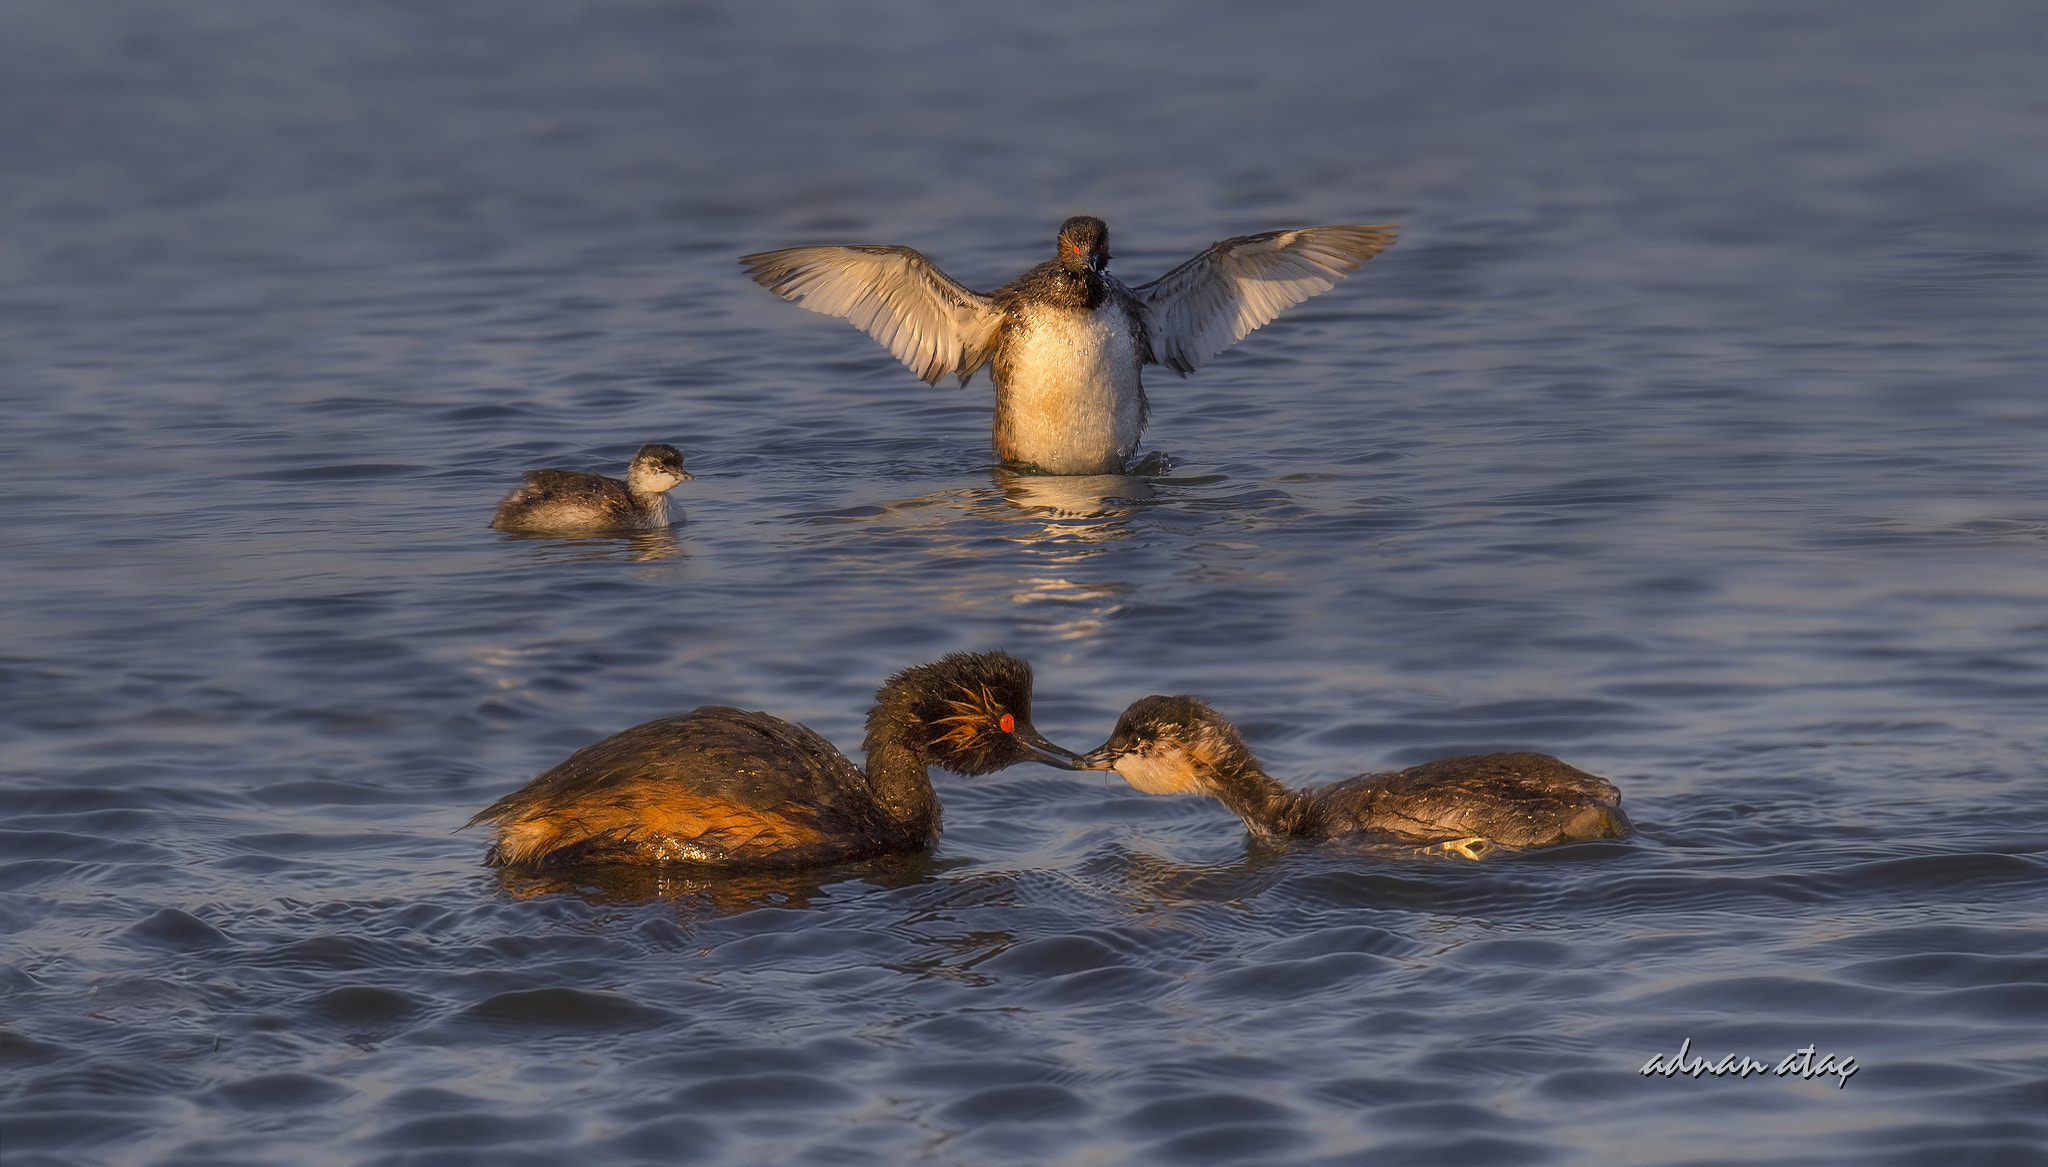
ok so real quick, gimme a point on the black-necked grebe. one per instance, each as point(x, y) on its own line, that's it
point(1178, 745)
point(721, 786)
point(1067, 339)
point(570, 502)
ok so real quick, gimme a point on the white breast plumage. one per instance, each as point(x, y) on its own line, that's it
point(1068, 398)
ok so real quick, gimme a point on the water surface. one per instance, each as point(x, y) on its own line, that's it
point(1692, 432)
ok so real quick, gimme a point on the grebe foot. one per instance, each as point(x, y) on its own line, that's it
point(1156, 462)
point(1474, 848)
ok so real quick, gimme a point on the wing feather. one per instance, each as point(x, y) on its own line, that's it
point(1217, 298)
point(929, 321)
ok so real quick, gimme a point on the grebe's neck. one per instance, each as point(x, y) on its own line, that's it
point(1268, 809)
point(655, 503)
point(898, 753)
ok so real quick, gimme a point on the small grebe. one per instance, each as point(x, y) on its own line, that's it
point(1067, 339)
point(719, 785)
point(1178, 745)
point(569, 502)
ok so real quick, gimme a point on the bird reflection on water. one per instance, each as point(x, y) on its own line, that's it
point(701, 896)
point(1126, 872)
point(709, 893)
point(643, 547)
point(1351, 872)
point(1068, 497)
point(1057, 525)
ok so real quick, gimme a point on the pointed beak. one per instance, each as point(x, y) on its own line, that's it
point(1102, 757)
point(687, 476)
point(1042, 750)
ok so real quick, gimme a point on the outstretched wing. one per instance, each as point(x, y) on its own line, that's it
point(1213, 300)
point(895, 295)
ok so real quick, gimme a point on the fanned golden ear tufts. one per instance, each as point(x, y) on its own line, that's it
point(970, 717)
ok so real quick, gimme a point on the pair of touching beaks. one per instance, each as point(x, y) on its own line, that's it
point(1102, 757)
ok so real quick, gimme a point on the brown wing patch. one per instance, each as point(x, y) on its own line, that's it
point(655, 830)
point(716, 785)
point(1519, 799)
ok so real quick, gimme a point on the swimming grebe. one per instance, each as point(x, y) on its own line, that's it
point(719, 785)
point(1067, 339)
point(569, 502)
point(1178, 745)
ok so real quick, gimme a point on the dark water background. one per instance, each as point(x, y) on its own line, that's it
point(1693, 432)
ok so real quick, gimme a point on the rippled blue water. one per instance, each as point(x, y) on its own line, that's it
point(1692, 432)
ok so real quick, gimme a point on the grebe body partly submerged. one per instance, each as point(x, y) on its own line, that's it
point(570, 502)
point(1066, 340)
point(1178, 745)
point(722, 786)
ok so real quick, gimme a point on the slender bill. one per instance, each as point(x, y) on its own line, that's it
point(1101, 758)
point(1044, 751)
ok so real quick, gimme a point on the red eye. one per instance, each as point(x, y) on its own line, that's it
point(1007, 724)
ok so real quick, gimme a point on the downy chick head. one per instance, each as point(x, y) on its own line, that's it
point(656, 468)
point(1171, 745)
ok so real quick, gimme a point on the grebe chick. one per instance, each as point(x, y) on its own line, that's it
point(1066, 340)
point(721, 786)
point(570, 502)
point(1178, 745)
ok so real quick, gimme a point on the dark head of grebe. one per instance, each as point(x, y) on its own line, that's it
point(1083, 245)
point(1179, 745)
point(570, 502)
point(1066, 341)
point(727, 787)
point(969, 713)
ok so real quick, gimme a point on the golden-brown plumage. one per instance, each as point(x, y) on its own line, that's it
point(733, 788)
